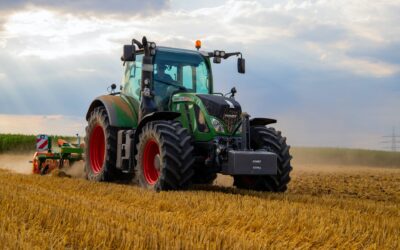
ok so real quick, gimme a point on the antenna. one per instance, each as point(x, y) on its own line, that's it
point(393, 140)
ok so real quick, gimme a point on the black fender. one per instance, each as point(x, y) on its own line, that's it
point(155, 116)
point(261, 121)
point(120, 112)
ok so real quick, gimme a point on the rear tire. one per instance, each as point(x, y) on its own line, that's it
point(101, 145)
point(164, 156)
point(263, 138)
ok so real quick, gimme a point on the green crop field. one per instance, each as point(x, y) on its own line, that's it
point(18, 143)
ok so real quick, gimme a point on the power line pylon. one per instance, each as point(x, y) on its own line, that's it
point(393, 140)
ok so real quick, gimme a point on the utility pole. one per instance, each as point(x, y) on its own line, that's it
point(393, 140)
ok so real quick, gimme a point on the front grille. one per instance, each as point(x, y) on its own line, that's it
point(231, 117)
point(226, 109)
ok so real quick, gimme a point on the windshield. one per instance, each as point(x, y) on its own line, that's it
point(181, 72)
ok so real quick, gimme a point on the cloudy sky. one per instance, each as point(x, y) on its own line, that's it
point(329, 71)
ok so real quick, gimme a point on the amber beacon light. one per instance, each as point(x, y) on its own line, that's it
point(198, 44)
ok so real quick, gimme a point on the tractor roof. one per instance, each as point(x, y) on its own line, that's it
point(177, 50)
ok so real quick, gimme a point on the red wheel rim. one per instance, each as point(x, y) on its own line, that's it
point(151, 173)
point(97, 149)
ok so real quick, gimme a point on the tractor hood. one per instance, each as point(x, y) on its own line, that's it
point(225, 109)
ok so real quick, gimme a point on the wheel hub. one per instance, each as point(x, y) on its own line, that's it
point(157, 162)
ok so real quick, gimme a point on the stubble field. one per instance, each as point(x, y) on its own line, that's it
point(329, 206)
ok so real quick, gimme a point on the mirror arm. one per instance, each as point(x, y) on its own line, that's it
point(134, 41)
point(227, 55)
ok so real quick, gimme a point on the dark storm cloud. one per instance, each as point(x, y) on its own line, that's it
point(96, 6)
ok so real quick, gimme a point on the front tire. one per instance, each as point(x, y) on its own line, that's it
point(100, 150)
point(164, 156)
point(263, 138)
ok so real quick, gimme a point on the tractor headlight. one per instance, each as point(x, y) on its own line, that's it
point(217, 125)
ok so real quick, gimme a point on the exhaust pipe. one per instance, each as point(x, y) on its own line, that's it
point(245, 131)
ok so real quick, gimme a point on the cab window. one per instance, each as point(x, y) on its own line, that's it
point(187, 75)
point(133, 77)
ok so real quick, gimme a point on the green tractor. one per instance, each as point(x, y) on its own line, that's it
point(166, 128)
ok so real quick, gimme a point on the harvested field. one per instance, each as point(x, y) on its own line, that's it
point(325, 207)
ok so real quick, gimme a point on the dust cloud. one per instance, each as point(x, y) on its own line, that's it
point(77, 170)
point(18, 163)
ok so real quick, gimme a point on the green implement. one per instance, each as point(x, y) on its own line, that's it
point(46, 159)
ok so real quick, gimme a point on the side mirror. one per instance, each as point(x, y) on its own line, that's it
point(129, 53)
point(241, 64)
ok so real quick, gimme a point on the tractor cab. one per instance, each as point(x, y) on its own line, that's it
point(174, 71)
point(158, 78)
